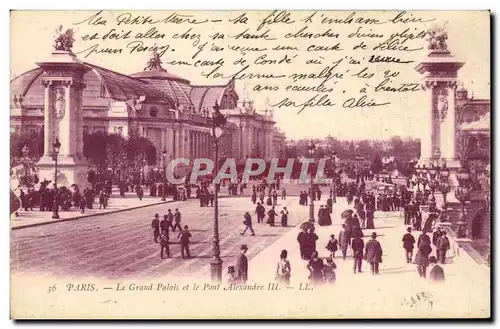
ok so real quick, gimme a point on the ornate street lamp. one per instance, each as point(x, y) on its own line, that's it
point(217, 122)
point(311, 150)
point(462, 194)
point(56, 146)
point(164, 180)
point(432, 172)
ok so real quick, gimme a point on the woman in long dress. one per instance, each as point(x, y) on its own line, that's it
point(284, 270)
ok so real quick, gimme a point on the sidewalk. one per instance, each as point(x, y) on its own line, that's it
point(116, 204)
point(464, 293)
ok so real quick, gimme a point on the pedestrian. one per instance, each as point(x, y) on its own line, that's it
point(442, 246)
point(155, 224)
point(332, 246)
point(170, 217)
point(260, 212)
point(283, 194)
point(82, 205)
point(165, 224)
point(373, 253)
point(358, 246)
point(248, 224)
point(422, 257)
point(164, 244)
point(184, 237)
point(423, 238)
point(284, 270)
point(312, 238)
point(177, 221)
point(284, 217)
point(254, 196)
point(344, 240)
point(242, 265)
point(436, 272)
point(271, 216)
point(232, 275)
point(408, 245)
point(302, 240)
point(212, 197)
point(316, 268)
point(102, 197)
point(436, 235)
point(329, 271)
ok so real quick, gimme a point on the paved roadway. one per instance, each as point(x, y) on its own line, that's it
point(120, 245)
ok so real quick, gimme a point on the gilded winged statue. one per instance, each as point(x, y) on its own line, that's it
point(437, 37)
point(63, 41)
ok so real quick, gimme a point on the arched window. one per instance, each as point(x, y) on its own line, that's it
point(153, 112)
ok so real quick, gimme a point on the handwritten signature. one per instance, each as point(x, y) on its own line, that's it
point(421, 298)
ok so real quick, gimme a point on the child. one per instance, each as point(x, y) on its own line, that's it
point(164, 243)
point(183, 237)
point(232, 275)
point(329, 271)
point(332, 246)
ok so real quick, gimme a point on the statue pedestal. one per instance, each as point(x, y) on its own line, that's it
point(63, 119)
point(68, 171)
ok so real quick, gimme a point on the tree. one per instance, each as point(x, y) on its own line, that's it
point(116, 146)
point(139, 149)
point(94, 149)
point(34, 143)
point(291, 152)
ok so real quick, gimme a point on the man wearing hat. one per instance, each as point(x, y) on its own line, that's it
point(242, 265)
point(442, 246)
point(155, 224)
point(373, 253)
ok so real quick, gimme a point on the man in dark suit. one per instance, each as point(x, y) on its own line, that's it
point(442, 246)
point(408, 245)
point(155, 224)
point(436, 272)
point(373, 253)
point(344, 240)
point(357, 249)
point(242, 265)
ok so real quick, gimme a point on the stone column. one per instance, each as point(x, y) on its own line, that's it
point(49, 129)
point(250, 141)
point(173, 142)
point(448, 124)
point(428, 133)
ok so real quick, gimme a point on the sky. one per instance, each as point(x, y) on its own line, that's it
point(468, 40)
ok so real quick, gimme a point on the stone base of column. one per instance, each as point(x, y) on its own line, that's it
point(68, 171)
point(424, 162)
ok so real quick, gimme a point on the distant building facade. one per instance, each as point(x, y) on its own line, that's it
point(165, 108)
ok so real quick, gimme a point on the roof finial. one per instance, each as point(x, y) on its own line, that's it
point(154, 62)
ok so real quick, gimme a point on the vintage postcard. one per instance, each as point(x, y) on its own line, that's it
point(250, 164)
